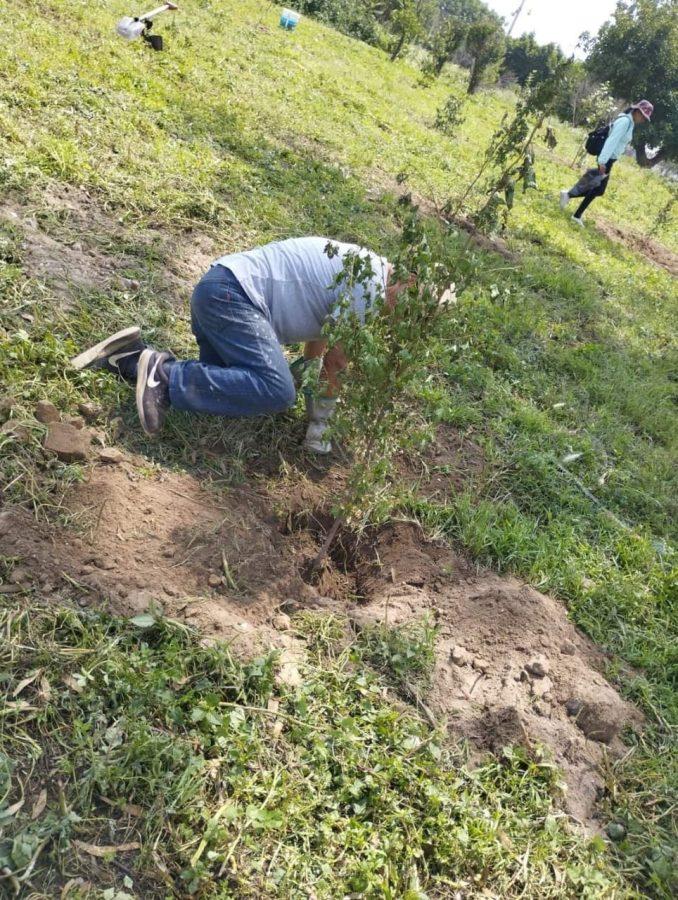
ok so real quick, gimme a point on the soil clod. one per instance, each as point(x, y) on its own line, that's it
point(46, 412)
point(68, 443)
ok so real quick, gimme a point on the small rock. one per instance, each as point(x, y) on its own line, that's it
point(214, 580)
point(168, 552)
point(6, 406)
point(281, 622)
point(541, 686)
point(482, 665)
point(19, 575)
point(76, 421)
point(140, 601)
point(111, 456)
point(67, 442)
point(568, 648)
point(574, 706)
point(46, 412)
point(539, 667)
point(598, 722)
point(86, 570)
point(88, 410)
point(103, 562)
point(18, 431)
point(460, 656)
point(134, 285)
point(542, 709)
point(616, 831)
point(116, 427)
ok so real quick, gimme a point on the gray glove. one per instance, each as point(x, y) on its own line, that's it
point(320, 410)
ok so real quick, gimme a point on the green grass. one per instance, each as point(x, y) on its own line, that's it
point(243, 133)
point(139, 736)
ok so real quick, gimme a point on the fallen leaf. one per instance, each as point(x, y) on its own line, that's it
point(45, 690)
point(73, 684)
point(24, 684)
point(133, 810)
point(39, 805)
point(14, 808)
point(103, 850)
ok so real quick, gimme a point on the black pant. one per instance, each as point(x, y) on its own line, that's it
point(596, 192)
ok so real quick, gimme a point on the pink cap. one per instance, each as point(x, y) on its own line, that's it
point(645, 107)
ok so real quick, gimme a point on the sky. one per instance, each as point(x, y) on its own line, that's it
point(557, 21)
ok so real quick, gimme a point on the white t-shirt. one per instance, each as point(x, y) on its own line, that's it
point(292, 283)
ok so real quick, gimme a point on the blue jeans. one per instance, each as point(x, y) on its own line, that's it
point(241, 370)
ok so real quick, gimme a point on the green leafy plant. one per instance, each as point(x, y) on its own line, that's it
point(405, 653)
point(509, 155)
point(448, 38)
point(450, 115)
point(385, 354)
point(485, 43)
point(406, 26)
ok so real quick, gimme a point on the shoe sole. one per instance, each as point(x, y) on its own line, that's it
point(142, 377)
point(105, 348)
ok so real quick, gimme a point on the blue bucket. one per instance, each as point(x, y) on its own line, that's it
point(289, 19)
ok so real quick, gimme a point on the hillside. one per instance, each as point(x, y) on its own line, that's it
point(478, 698)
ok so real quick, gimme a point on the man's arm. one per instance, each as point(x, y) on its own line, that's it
point(334, 363)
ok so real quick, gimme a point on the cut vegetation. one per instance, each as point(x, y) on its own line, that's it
point(476, 699)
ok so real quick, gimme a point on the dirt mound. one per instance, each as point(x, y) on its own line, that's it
point(221, 564)
point(510, 666)
point(651, 250)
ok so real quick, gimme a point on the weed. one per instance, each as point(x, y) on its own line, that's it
point(167, 765)
point(404, 653)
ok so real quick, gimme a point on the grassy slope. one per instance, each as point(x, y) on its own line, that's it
point(249, 134)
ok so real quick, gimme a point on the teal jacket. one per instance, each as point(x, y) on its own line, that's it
point(618, 139)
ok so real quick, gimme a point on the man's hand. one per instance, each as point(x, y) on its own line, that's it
point(602, 169)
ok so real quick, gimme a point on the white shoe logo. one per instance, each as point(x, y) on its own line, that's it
point(152, 380)
point(113, 360)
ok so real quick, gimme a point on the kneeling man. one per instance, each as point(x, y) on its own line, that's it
point(243, 310)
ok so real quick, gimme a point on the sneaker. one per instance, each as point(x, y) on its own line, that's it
point(577, 221)
point(112, 353)
point(153, 399)
point(564, 199)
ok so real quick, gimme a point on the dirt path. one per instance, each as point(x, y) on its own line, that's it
point(511, 668)
point(652, 250)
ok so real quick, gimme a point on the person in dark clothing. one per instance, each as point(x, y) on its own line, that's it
point(593, 182)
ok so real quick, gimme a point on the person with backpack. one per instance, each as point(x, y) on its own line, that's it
point(608, 144)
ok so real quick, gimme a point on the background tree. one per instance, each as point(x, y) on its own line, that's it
point(406, 26)
point(485, 42)
point(468, 11)
point(358, 18)
point(637, 52)
point(525, 57)
point(446, 40)
point(583, 100)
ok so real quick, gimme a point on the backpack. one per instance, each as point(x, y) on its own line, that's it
point(596, 140)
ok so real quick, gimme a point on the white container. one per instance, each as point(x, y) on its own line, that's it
point(130, 28)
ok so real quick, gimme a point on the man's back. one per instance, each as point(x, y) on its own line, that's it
point(293, 283)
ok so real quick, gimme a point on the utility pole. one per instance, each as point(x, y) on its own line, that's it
point(515, 18)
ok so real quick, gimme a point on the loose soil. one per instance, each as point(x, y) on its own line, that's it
point(652, 250)
point(510, 669)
